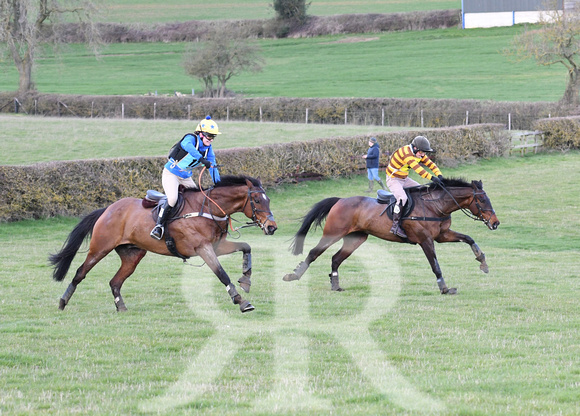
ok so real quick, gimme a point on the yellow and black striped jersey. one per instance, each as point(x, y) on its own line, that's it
point(404, 159)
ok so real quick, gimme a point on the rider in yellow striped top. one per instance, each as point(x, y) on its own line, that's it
point(405, 158)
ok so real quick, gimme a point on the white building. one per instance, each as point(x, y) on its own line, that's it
point(491, 13)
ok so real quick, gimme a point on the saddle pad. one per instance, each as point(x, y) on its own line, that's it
point(387, 198)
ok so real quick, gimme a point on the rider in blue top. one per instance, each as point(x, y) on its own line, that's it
point(193, 151)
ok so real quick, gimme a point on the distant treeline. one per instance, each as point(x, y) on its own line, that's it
point(197, 30)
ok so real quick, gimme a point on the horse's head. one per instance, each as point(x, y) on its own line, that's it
point(257, 208)
point(481, 206)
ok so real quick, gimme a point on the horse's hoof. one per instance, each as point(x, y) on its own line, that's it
point(246, 306)
point(121, 308)
point(337, 289)
point(245, 283)
point(483, 267)
point(61, 305)
point(290, 276)
point(450, 291)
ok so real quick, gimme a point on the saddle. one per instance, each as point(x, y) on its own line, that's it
point(387, 198)
point(155, 199)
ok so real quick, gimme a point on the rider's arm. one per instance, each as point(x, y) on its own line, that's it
point(188, 143)
point(215, 174)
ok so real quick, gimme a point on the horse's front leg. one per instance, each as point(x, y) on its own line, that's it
point(429, 249)
point(228, 247)
point(451, 236)
point(208, 255)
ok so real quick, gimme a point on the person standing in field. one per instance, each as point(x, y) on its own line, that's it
point(372, 158)
point(192, 151)
point(405, 158)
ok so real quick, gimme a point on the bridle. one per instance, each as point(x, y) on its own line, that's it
point(255, 220)
point(480, 210)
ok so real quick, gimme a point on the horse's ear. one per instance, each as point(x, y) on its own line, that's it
point(477, 184)
point(249, 183)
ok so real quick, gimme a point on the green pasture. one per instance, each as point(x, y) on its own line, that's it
point(450, 63)
point(28, 139)
point(507, 344)
point(141, 11)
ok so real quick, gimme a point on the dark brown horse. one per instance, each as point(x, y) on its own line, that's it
point(353, 219)
point(200, 230)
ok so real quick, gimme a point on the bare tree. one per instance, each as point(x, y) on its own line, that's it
point(556, 41)
point(27, 25)
point(224, 55)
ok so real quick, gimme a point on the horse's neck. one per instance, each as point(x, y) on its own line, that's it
point(229, 199)
point(458, 198)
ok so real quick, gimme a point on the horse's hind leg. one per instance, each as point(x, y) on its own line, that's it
point(351, 243)
point(451, 236)
point(320, 248)
point(130, 258)
point(91, 260)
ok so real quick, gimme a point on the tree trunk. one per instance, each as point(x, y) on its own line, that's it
point(24, 66)
point(571, 94)
point(25, 83)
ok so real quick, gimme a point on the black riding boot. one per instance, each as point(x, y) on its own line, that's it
point(396, 228)
point(164, 212)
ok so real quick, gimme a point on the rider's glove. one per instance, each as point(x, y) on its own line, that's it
point(436, 180)
point(204, 162)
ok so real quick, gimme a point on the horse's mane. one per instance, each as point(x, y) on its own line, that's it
point(456, 183)
point(232, 180)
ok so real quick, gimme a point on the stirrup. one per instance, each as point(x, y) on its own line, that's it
point(398, 231)
point(157, 232)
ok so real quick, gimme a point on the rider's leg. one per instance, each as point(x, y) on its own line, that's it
point(170, 186)
point(396, 186)
point(159, 228)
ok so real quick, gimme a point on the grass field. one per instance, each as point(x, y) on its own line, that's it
point(389, 344)
point(39, 139)
point(451, 63)
point(140, 11)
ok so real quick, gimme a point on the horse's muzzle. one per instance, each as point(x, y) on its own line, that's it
point(493, 223)
point(270, 228)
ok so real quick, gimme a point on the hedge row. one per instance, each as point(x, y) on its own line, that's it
point(196, 30)
point(363, 111)
point(78, 187)
point(562, 133)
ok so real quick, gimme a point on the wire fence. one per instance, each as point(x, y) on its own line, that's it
point(298, 111)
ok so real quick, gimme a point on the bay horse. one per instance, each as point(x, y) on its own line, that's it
point(354, 219)
point(124, 226)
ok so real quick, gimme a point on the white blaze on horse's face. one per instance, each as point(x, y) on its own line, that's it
point(261, 213)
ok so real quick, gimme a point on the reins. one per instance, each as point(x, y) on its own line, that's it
point(468, 213)
point(255, 220)
point(229, 219)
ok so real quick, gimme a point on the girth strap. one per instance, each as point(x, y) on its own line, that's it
point(427, 218)
point(170, 243)
point(205, 215)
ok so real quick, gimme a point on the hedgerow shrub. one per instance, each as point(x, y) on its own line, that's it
point(364, 111)
point(560, 133)
point(78, 187)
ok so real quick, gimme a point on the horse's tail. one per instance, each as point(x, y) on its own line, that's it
point(63, 259)
point(316, 215)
